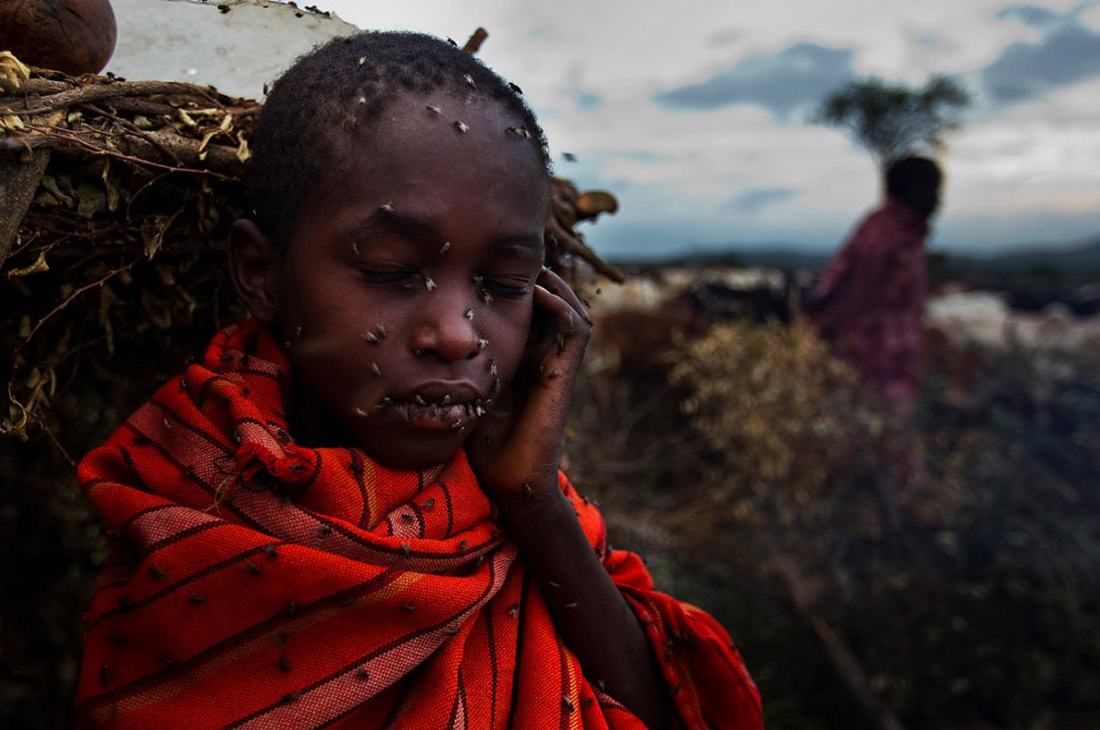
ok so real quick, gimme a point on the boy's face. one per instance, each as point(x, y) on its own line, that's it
point(406, 294)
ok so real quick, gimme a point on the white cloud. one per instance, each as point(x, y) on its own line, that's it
point(1035, 164)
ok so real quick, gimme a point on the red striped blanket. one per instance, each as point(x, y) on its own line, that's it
point(255, 583)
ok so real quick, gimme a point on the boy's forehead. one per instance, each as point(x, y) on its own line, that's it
point(455, 120)
point(428, 153)
point(463, 135)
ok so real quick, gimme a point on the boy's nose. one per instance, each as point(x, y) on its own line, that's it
point(444, 328)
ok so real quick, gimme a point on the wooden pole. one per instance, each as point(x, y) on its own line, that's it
point(473, 45)
point(19, 178)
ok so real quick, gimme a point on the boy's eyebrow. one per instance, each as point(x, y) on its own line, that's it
point(385, 218)
point(527, 243)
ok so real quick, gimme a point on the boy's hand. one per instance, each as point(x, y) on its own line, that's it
point(517, 446)
point(515, 453)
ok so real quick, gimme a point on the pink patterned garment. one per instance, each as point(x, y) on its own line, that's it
point(870, 302)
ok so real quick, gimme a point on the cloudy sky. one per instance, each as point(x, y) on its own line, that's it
point(694, 113)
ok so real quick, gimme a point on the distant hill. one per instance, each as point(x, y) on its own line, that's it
point(1079, 261)
point(1074, 263)
point(778, 258)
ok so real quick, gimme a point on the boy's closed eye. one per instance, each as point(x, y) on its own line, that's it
point(507, 286)
point(514, 264)
point(388, 275)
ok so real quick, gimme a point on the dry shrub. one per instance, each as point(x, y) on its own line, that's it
point(967, 595)
point(785, 419)
point(764, 448)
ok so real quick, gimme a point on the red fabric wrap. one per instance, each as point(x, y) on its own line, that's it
point(260, 584)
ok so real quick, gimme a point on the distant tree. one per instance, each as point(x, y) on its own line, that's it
point(895, 120)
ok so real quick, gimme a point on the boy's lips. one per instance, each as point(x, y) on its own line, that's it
point(436, 406)
point(434, 416)
point(438, 391)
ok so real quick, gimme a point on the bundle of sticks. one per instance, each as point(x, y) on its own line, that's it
point(115, 200)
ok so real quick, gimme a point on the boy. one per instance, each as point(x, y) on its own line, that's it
point(350, 514)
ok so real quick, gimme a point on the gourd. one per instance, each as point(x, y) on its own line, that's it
point(74, 36)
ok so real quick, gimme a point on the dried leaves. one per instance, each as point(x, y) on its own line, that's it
point(120, 250)
point(563, 242)
point(12, 73)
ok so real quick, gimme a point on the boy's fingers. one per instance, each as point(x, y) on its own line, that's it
point(557, 286)
point(552, 293)
point(522, 439)
point(566, 325)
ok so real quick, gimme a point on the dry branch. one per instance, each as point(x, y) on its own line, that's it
point(841, 656)
point(105, 90)
point(473, 43)
point(18, 182)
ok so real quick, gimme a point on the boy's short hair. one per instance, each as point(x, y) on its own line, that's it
point(912, 173)
point(340, 88)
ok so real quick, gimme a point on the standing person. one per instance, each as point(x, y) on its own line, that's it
point(870, 301)
point(350, 513)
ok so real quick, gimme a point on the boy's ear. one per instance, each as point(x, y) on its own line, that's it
point(254, 267)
